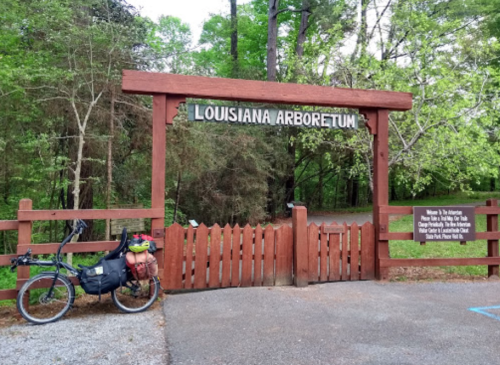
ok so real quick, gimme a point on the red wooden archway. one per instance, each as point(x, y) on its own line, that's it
point(169, 90)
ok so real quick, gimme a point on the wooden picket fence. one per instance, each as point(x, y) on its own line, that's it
point(230, 257)
point(345, 255)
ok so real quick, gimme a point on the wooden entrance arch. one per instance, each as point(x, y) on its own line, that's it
point(169, 90)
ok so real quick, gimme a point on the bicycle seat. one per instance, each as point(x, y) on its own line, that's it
point(121, 247)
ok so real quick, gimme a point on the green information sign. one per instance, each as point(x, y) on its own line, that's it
point(276, 117)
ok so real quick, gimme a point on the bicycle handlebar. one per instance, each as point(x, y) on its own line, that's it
point(25, 259)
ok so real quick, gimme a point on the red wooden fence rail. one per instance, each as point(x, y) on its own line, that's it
point(24, 224)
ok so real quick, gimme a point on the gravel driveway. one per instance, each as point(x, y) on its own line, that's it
point(109, 337)
point(337, 323)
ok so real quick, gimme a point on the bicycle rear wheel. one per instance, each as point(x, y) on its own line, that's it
point(38, 304)
point(136, 296)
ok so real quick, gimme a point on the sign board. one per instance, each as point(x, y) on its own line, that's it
point(274, 117)
point(333, 229)
point(133, 225)
point(444, 224)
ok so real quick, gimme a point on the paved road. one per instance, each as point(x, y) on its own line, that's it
point(336, 323)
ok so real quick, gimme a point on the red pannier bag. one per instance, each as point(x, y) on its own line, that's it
point(143, 265)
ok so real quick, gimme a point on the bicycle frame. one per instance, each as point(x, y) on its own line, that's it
point(26, 260)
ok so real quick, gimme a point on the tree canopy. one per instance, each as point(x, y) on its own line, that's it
point(70, 139)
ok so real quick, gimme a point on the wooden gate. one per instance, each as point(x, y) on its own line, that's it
point(198, 258)
point(341, 252)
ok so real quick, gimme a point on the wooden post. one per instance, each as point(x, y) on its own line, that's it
point(300, 247)
point(24, 239)
point(492, 226)
point(381, 190)
point(158, 172)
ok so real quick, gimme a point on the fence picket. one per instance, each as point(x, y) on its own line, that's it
point(269, 238)
point(200, 270)
point(313, 252)
point(214, 272)
point(345, 251)
point(188, 275)
point(354, 252)
point(246, 260)
point(235, 256)
point(257, 280)
point(323, 258)
point(174, 255)
point(226, 258)
point(334, 239)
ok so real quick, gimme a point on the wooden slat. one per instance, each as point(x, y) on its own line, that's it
point(367, 252)
point(226, 258)
point(487, 235)
point(345, 250)
point(188, 269)
point(150, 83)
point(174, 240)
point(200, 264)
point(323, 273)
point(54, 215)
point(396, 236)
point(386, 209)
point(235, 256)
point(257, 281)
point(8, 294)
point(408, 236)
point(246, 262)
point(354, 250)
point(9, 225)
point(5, 259)
point(269, 244)
point(312, 237)
point(487, 210)
point(24, 238)
point(334, 274)
point(214, 274)
point(441, 262)
point(284, 259)
point(77, 247)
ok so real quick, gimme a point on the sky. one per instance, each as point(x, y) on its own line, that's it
point(193, 12)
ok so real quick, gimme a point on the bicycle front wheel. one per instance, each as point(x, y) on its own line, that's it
point(136, 296)
point(43, 300)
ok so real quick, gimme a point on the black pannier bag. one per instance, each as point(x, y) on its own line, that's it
point(103, 277)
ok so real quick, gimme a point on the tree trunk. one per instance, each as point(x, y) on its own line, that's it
point(363, 28)
point(355, 192)
point(110, 162)
point(320, 186)
point(303, 28)
point(234, 38)
point(272, 39)
point(290, 181)
point(177, 196)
